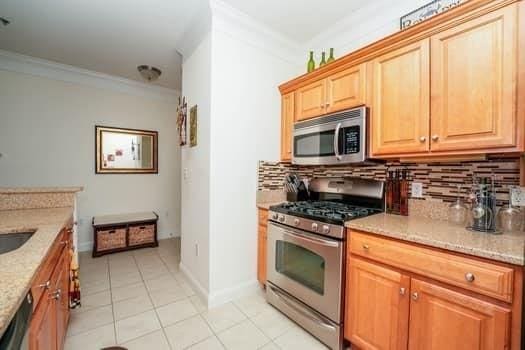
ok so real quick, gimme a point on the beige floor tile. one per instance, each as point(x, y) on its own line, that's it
point(136, 326)
point(167, 295)
point(187, 289)
point(175, 312)
point(94, 339)
point(270, 346)
point(188, 332)
point(131, 307)
point(244, 336)
point(273, 323)
point(297, 338)
point(85, 321)
point(223, 317)
point(125, 279)
point(93, 287)
point(198, 303)
point(128, 292)
point(253, 304)
point(212, 343)
point(95, 300)
point(151, 272)
point(161, 282)
point(151, 341)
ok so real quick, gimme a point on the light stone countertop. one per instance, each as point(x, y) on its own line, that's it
point(19, 190)
point(18, 267)
point(508, 247)
point(267, 205)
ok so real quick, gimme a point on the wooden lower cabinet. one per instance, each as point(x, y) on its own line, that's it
point(261, 245)
point(444, 319)
point(389, 307)
point(48, 326)
point(378, 300)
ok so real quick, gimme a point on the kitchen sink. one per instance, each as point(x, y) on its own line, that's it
point(12, 241)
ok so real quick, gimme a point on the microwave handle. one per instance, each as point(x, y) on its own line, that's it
point(336, 141)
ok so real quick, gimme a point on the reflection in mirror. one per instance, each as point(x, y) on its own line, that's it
point(126, 150)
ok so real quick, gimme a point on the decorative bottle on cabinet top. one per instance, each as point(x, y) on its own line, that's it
point(331, 58)
point(311, 63)
point(323, 59)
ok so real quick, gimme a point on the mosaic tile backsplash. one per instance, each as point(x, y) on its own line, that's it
point(439, 180)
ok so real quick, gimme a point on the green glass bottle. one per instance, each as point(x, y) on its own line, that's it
point(331, 58)
point(311, 63)
point(323, 59)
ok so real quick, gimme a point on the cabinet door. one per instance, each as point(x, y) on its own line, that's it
point(445, 319)
point(346, 89)
point(42, 329)
point(287, 119)
point(377, 306)
point(400, 102)
point(310, 101)
point(261, 254)
point(61, 279)
point(474, 83)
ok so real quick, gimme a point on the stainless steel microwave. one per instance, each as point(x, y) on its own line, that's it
point(339, 138)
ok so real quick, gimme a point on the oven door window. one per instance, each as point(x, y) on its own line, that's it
point(301, 265)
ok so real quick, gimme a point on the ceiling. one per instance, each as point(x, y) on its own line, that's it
point(300, 20)
point(115, 36)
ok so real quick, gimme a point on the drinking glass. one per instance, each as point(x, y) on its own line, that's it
point(457, 211)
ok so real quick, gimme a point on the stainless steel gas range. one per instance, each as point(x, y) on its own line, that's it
point(306, 252)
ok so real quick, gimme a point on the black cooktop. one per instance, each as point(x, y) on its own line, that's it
point(324, 211)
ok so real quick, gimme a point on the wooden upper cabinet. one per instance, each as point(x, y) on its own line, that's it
point(474, 83)
point(346, 89)
point(377, 306)
point(310, 101)
point(400, 108)
point(444, 319)
point(287, 119)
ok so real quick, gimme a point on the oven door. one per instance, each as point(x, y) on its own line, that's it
point(307, 266)
point(330, 143)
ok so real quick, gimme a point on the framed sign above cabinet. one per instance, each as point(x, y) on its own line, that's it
point(125, 151)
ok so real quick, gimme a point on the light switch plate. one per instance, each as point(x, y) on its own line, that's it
point(518, 196)
point(417, 190)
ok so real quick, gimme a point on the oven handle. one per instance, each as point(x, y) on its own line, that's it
point(293, 305)
point(312, 240)
point(336, 141)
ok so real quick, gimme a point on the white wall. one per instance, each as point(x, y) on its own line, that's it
point(362, 27)
point(47, 139)
point(196, 82)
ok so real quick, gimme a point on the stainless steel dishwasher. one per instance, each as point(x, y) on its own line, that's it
point(15, 336)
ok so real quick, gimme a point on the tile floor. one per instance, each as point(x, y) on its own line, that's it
point(141, 300)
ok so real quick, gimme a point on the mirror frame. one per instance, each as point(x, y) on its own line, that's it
point(98, 151)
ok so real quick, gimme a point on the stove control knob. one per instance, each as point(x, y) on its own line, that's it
point(314, 227)
point(326, 229)
point(281, 218)
point(275, 216)
point(297, 222)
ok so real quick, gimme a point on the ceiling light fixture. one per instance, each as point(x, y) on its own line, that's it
point(149, 73)
point(4, 21)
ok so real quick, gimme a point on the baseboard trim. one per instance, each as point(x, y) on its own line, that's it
point(201, 292)
point(228, 294)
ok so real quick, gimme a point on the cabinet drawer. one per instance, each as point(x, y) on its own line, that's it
point(263, 217)
point(484, 278)
point(141, 234)
point(108, 239)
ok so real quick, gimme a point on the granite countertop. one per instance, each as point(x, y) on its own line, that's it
point(18, 267)
point(508, 247)
point(267, 205)
point(19, 190)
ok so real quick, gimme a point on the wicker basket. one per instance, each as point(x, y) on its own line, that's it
point(142, 234)
point(111, 239)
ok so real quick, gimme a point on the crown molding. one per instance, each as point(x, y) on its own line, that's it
point(245, 28)
point(18, 63)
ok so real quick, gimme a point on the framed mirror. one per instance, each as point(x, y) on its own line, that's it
point(125, 151)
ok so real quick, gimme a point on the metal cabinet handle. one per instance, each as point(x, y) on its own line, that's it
point(422, 139)
point(57, 294)
point(402, 291)
point(415, 296)
point(64, 242)
point(366, 247)
point(470, 277)
point(435, 137)
point(45, 285)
